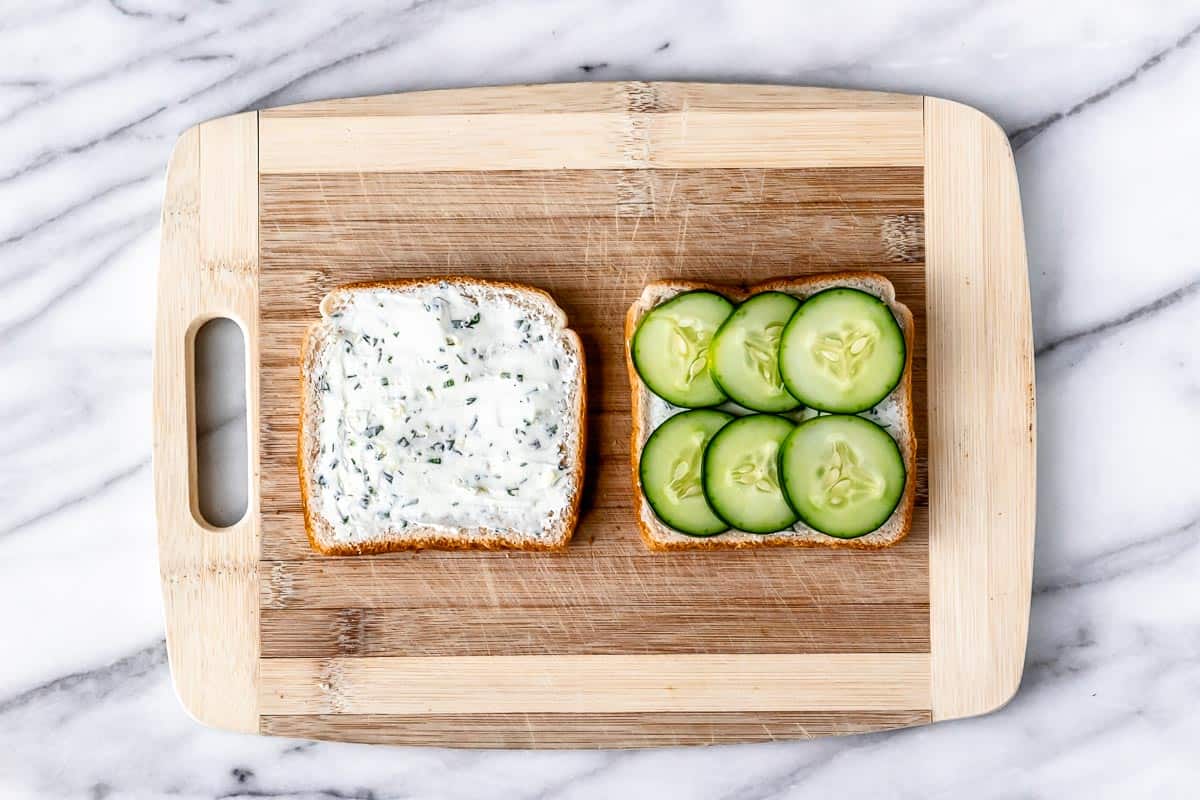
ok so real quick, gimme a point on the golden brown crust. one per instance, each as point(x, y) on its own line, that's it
point(469, 538)
point(903, 514)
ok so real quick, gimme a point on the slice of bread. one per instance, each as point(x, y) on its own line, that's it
point(445, 413)
point(896, 410)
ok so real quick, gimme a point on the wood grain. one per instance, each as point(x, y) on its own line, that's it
point(208, 268)
point(558, 581)
point(592, 235)
point(589, 191)
point(595, 683)
point(983, 487)
point(610, 97)
point(634, 126)
point(735, 626)
point(656, 729)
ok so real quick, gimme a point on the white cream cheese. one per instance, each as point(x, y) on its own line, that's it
point(440, 410)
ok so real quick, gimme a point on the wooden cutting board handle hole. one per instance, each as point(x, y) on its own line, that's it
point(219, 463)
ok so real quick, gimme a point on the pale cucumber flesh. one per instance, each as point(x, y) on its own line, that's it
point(744, 356)
point(671, 344)
point(844, 475)
point(670, 472)
point(741, 474)
point(842, 351)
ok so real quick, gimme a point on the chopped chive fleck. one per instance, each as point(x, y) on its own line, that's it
point(387, 476)
point(384, 381)
point(505, 374)
point(555, 362)
point(461, 360)
point(512, 492)
point(471, 400)
point(435, 460)
point(448, 383)
point(520, 377)
point(402, 441)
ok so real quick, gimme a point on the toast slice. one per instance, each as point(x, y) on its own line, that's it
point(440, 413)
point(896, 410)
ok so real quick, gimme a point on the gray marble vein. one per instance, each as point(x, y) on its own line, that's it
point(1099, 100)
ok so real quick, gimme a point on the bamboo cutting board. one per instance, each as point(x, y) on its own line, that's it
point(589, 191)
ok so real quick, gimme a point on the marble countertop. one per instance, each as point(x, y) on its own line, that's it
point(1101, 105)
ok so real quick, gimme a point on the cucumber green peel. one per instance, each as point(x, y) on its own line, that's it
point(744, 357)
point(670, 348)
point(670, 472)
point(741, 474)
point(842, 351)
point(843, 474)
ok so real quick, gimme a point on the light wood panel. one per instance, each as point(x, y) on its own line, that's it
point(632, 126)
point(589, 191)
point(595, 684)
point(983, 483)
point(208, 268)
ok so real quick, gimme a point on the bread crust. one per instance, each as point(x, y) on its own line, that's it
point(660, 537)
point(427, 537)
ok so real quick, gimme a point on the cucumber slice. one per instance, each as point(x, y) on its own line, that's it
point(670, 348)
point(842, 351)
point(744, 357)
point(843, 474)
point(670, 471)
point(741, 474)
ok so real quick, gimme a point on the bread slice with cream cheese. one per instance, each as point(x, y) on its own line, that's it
point(441, 413)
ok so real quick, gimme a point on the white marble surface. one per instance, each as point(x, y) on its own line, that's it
point(1101, 101)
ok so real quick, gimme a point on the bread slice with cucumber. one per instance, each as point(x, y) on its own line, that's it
point(778, 415)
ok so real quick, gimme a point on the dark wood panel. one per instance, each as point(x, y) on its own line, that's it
point(289, 200)
point(663, 729)
point(611, 568)
point(614, 627)
point(593, 239)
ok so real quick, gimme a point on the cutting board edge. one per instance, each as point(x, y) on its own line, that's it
point(208, 268)
point(948, 701)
